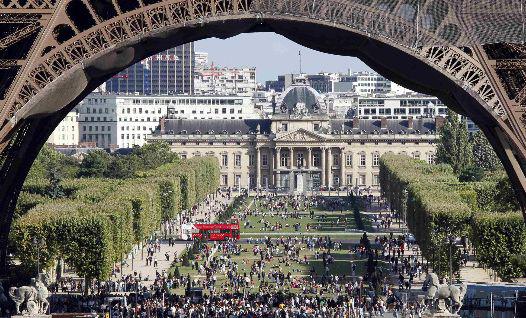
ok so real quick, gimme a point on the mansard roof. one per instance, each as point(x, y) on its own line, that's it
point(216, 126)
point(393, 126)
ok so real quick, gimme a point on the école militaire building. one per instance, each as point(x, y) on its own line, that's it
point(300, 147)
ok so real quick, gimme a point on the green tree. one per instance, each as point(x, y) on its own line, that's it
point(123, 167)
point(471, 173)
point(505, 198)
point(453, 146)
point(154, 155)
point(95, 164)
point(483, 154)
point(49, 162)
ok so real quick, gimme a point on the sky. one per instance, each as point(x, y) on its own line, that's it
point(273, 55)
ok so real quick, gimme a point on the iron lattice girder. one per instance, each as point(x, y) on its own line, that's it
point(76, 30)
point(407, 23)
point(453, 41)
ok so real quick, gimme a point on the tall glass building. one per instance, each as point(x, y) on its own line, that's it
point(166, 73)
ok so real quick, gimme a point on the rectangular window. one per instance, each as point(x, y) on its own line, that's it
point(431, 158)
point(348, 160)
point(284, 127)
point(238, 160)
point(300, 160)
point(284, 160)
point(376, 159)
point(376, 180)
point(361, 180)
point(251, 160)
point(335, 159)
point(316, 159)
point(237, 180)
point(362, 160)
point(224, 180)
point(264, 160)
point(348, 179)
point(224, 160)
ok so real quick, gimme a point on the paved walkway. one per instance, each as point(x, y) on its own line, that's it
point(148, 272)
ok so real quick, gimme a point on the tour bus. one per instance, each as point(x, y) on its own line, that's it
point(217, 231)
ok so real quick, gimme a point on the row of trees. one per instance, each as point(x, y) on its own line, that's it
point(438, 207)
point(97, 220)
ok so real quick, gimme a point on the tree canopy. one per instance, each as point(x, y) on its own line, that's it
point(454, 147)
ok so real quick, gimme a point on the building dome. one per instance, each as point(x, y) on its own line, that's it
point(300, 100)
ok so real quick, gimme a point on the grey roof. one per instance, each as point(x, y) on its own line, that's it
point(216, 126)
point(299, 94)
point(395, 126)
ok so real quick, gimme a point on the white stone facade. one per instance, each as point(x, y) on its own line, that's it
point(67, 131)
point(120, 121)
point(300, 143)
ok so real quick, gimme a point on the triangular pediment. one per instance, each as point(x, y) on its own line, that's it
point(300, 135)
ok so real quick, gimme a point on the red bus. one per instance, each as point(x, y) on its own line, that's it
point(217, 231)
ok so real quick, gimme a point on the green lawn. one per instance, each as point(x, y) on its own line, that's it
point(341, 266)
point(322, 222)
point(337, 223)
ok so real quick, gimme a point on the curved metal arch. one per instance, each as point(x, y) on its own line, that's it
point(364, 19)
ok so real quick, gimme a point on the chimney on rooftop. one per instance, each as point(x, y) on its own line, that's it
point(356, 123)
point(410, 123)
point(439, 122)
point(383, 123)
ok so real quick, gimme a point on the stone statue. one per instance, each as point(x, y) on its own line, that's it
point(438, 294)
point(35, 298)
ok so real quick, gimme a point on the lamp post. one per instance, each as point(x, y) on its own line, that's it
point(38, 243)
point(451, 240)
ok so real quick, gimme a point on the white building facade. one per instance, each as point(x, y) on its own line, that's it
point(225, 81)
point(67, 131)
point(399, 106)
point(120, 121)
point(300, 148)
point(212, 107)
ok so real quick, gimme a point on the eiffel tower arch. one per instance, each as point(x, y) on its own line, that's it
point(471, 54)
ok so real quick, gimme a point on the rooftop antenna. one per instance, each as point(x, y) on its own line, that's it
point(299, 54)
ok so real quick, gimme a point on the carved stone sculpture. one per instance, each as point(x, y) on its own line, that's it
point(441, 296)
point(35, 298)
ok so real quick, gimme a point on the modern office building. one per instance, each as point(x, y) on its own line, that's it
point(166, 73)
point(201, 60)
point(300, 148)
point(398, 106)
point(211, 107)
point(119, 121)
point(225, 81)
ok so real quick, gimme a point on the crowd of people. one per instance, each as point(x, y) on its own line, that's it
point(278, 280)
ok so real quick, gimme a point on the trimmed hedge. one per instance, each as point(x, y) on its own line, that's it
point(102, 219)
point(499, 238)
point(438, 206)
point(71, 230)
point(433, 202)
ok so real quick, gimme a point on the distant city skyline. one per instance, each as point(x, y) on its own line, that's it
point(273, 55)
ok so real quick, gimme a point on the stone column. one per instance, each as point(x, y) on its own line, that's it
point(329, 167)
point(258, 168)
point(270, 158)
point(291, 163)
point(278, 151)
point(309, 158)
point(342, 167)
point(323, 167)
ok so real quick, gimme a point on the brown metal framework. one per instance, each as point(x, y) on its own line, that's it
point(54, 52)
